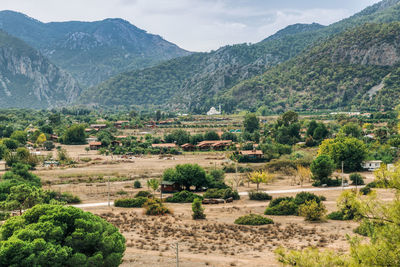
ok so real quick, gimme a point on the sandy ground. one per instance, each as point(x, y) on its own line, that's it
point(216, 241)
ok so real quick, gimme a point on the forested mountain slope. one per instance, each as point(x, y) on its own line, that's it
point(199, 81)
point(29, 80)
point(91, 51)
point(359, 69)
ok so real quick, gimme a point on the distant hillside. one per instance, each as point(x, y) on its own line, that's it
point(357, 69)
point(197, 82)
point(29, 80)
point(91, 51)
point(195, 79)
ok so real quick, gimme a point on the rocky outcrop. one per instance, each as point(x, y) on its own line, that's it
point(28, 80)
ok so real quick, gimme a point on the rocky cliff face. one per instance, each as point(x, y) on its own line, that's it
point(28, 80)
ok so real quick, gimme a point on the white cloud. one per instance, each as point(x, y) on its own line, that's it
point(196, 25)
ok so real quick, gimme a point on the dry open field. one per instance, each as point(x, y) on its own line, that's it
point(216, 241)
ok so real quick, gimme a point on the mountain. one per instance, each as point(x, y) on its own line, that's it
point(357, 69)
point(29, 80)
point(294, 30)
point(197, 77)
point(199, 81)
point(91, 51)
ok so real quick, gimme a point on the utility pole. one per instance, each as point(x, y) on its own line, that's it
point(342, 176)
point(108, 191)
point(177, 254)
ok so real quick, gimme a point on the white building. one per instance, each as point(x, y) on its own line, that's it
point(214, 111)
point(371, 165)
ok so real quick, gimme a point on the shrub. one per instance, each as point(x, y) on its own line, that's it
point(198, 210)
point(155, 207)
point(137, 184)
point(130, 202)
point(61, 197)
point(183, 197)
point(277, 201)
point(122, 192)
point(365, 190)
point(4, 215)
point(253, 219)
point(86, 159)
point(285, 207)
point(143, 194)
point(221, 193)
point(356, 179)
point(336, 215)
point(372, 185)
point(312, 210)
point(253, 195)
point(367, 227)
point(302, 197)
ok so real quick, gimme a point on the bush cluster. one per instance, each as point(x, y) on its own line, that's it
point(137, 202)
point(221, 193)
point(290, 205)
point(137, 184)
point(144, 194)
point(253, 219)
point(155, 207)
point(183, 197)
point(260, 196)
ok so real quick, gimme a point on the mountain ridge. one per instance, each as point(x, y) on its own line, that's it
point(91, 51)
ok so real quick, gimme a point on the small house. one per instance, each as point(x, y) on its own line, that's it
point(98, 126)
point(121, 124)
point(51, 163)
point(216, 145)
point(188, 147)
point(252, 154)
point(371, 165)
point(116, 143)
point(95, 145)
point(169, 187)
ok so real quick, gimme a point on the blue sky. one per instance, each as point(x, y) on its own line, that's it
point(196, 25)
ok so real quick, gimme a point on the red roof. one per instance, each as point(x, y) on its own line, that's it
point(251, 152)
point(95, 144)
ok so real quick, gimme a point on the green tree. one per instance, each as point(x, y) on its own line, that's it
point(3, 151)
point(20, 136)
point(322, 167)
point(187, 175)
point(211, 135)
point(54, 235)
point(48, 145)
point(74, 135)
point(351, 129)
point(251, 123)
point(179, 136)
point(259, 177)
point(22, 197)
point(350, 150)
point(11, 144)
point(198, 210)
point(153, 184)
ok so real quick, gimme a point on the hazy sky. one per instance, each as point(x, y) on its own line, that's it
point(196, 25)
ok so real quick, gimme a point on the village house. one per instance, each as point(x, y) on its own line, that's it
point(252, 154)
point(98, 126)
point(169, 187)
point(216, 145)
point(188, 147)
point(95, 145)
point(372, 165)
point(121, 124)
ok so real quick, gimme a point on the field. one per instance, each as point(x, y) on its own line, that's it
point(216, 241)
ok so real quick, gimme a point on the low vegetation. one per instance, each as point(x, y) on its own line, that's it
point(253, 219)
